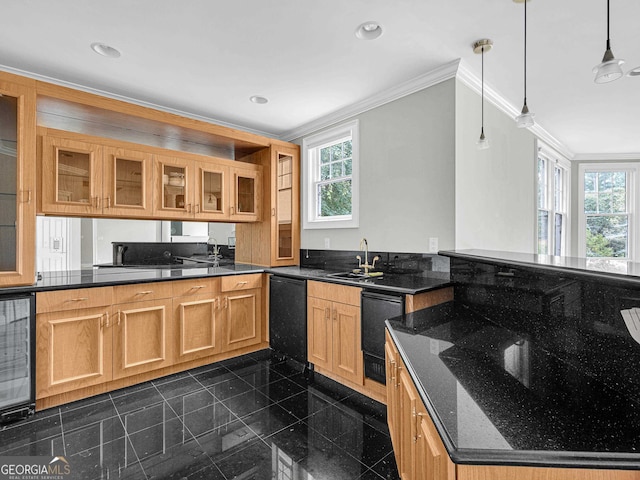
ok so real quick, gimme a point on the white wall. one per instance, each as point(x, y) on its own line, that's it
point(107, 230)
point(495, 188)
point(406, 176)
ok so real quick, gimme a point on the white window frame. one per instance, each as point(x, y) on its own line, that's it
point(632, 170)
point(310, 158)
point(553, 160)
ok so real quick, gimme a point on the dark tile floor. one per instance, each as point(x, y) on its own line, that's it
point(252, 417)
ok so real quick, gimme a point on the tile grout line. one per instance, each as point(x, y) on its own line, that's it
point(127, 437)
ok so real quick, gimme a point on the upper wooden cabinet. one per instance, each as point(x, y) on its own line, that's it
point(174, 187)
point(212, 191)
point(246, 193)
point(285, 206)
point(17, 182)
point(127, 182)
point(280, 224)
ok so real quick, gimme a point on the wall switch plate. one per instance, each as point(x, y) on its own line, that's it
point(433, 244)
point(327, 242)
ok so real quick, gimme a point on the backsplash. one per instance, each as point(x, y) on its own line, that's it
point(390, 262)
point(164, 253)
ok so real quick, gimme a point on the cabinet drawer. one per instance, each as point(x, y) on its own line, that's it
point(198, 286)
point(61, 300)
point(241, 282)
point(334, 292)
point(141, 292)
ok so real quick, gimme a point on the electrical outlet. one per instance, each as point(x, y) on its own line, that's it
point(433, 244)
point(327, 242)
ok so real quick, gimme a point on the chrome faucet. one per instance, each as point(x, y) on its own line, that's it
point(215, 252)
point(366, 265)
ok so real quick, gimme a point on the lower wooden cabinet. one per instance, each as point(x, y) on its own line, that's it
point(73, 340)
point(333, 324)
point(93, 340)
point(419, 452)
point(242, 311)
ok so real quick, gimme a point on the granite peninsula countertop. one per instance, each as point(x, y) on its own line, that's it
point(498, 396)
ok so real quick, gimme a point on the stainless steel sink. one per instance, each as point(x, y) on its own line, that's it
point(351, 275)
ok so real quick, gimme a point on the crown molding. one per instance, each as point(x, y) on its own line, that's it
point(471, 80)
point(601, 157)
point(141, 103)
point(433, 77)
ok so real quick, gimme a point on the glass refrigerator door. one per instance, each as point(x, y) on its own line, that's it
point(15, 360)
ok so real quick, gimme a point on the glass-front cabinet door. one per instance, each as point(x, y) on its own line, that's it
point(127, 182)
point(71, 176)
point(285, 211)
point(212, 191)
point(17, 182)
point(246, 188)
point(173, 185)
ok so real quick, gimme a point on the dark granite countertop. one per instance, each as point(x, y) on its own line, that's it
point(409, 284)
point(612, 270)
point(500, 396)
point(102, 277)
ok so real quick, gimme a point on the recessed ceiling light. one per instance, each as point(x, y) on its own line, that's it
point(258, 99)
point(369, 30)
point(105, 50)
point(634, 72)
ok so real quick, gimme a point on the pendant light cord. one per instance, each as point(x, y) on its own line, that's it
point(608, 39)
point(525, 51)
point(482, 89)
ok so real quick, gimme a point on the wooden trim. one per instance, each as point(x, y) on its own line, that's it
point(428, 299)
point(494, 472)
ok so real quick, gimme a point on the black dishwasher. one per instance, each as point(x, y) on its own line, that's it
point(288, 317)
point(375, 309)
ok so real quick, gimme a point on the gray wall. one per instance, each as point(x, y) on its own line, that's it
point(495, 188)
point(406, 176)
point(422, 176)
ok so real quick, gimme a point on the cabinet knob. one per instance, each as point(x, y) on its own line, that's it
point(79, 299)
point(273, 212)
point(145, 292)
point(108, 199)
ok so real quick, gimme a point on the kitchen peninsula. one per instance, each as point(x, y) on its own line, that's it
point(532, 366)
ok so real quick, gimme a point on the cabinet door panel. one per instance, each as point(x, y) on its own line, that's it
point(141, 337)
point(73, 350)
point(347, 353)
point(319, 326)
point(17, 184)
point(392, 368)
point(128, 189)
point(407, 423)
point(246, 194)
point(212, 192)
point(242, 322)
point(173, 178)
point(198, 326)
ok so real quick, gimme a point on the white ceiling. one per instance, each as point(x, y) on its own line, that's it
point(207, 57)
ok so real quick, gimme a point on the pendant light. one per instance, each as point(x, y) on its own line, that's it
point(525, 119)
point(609, 69)
point(482, 46)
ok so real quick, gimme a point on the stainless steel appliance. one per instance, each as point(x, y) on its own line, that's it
point(375, 309)
point(17, 355)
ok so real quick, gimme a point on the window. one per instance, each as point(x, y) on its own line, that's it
point(330, 172)
point(553, 203)
point(606, 207)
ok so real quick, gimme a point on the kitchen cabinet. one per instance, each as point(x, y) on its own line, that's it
point(71, 176)
point(127, 182)
point(73, 340)
point(242, 311)
point(18, 181)
point(82, 176)
point(246, 193)
point(333, 316)
point(274, 240)
point(197, 311)
point(212, 190)
point(419, 451)
point(142, 328)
